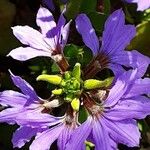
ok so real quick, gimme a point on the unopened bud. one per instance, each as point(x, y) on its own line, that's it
point(57, 91)
point(53, 79)
point(75, 104)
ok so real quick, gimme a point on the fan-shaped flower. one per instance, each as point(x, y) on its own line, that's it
point(112, 121)
point(27, 110)
point(50, 42)
point(111, 54)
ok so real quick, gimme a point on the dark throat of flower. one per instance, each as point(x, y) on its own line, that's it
point(60, 59)
point(96, 65)
point(91, 106)
point(71, 117)
point(63, 64)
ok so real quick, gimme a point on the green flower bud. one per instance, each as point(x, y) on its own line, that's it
point(67, 75)
point(57, 91)
point(77, 71)
point(53, 79)
point(94, 84)
point(69, 97)
point(75, 104)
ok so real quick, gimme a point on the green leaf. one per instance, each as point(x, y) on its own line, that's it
point(73, 8)
point(142, 41)
point(107, 7)
point(98, 20)
point(88, 6)
point(77, 71)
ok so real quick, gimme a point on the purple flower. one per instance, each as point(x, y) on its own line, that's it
point(27, 110)
point(142, 4)
point(50, 4)
point(112, 121)
point(111, 54)
point(50, 42)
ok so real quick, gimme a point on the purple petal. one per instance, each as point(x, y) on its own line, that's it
point(120, 87)
point(60, 25)
point(65, 34)
point(44, 140)
point(80, 135)
point(132, 59)
point(9, 115)
point(27, 53)
point(64, 137)
point(45, 20)
point(143, 5)
point(125, 132)
point(116, 35)
point(54, 35)
point(118, 70)
point(23, 135)
point(100, 136)
point(139, 87)
point(87, 32)
point(25, 87)
point(49, 4)
point(137, 108)
point(35, 118)
point(30, 37)
point(12, 98)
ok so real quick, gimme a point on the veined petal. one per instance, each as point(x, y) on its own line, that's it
point(100, 136)
point(25, 87)
point(116, 35)
point(45, 20)
point(54, 35)
point(23, 135)
point(9, 115)
point(120, 88)
point(125, 132)
point(64, 137)
point(12, 98)
point(30, 37)
point(87, 32)
point(137, 108)
point(44, 140)
point(80, 135)
point(35, 118)
point(139, 87)
point(132, 59)
point(27, 53)
point(117, 69)
point(65, 34)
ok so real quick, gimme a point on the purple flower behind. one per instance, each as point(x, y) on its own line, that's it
point(111, 54)
point(142, 4)
point(27, 110)
point(50, 4)
point(113, 120)
point(50, 42)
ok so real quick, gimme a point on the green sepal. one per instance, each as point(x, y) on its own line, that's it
point(69, 97)
point(53, 79)
point(108, 81)
point(57, 91)
point(77, 71)
point(67, 75)
point(75, 104)
point(95, 84)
